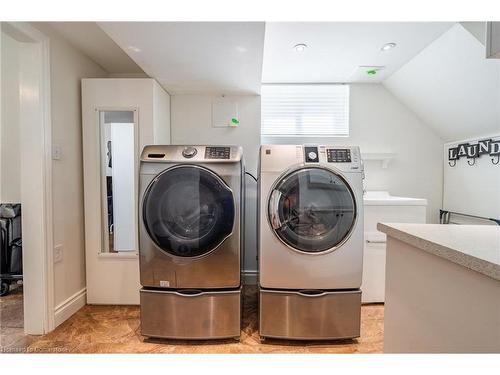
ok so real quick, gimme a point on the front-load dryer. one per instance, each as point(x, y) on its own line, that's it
point(190, 241)
point(310, 241)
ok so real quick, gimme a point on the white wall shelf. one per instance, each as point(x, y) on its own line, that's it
point(383, 157)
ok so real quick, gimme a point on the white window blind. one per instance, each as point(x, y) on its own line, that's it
point(305, 110)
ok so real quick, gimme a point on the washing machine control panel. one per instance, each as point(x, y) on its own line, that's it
point(311, 154)
point(217, 152)
point(338, 155)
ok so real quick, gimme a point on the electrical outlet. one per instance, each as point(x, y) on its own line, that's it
point(58, 253)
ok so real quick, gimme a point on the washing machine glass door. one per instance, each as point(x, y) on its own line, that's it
point(188, 211)
point(312, 210)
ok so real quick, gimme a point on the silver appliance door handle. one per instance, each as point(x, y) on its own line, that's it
point(274, 202)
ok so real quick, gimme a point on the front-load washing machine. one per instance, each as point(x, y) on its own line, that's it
point(310, 241)
point(190, 241)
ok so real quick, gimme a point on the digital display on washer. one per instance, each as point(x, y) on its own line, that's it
point(217, 152)
point(338, 155)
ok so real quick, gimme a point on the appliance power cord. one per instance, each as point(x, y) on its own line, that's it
point(251, 175)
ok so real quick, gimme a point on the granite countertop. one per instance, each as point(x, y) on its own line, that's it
point(476, 247)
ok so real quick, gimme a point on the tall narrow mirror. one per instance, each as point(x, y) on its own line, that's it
point(118, 182)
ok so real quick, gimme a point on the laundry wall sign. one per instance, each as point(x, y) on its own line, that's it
point(471, 151)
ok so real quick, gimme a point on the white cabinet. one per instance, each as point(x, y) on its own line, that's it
point(139, 109)
point(379, 206)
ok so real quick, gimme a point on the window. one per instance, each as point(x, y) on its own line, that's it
point(305, 110)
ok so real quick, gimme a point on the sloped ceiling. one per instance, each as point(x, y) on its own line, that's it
point(336, 49)
point(96, 44)
point(477, 29)
point(452, 86)
point(185, 57)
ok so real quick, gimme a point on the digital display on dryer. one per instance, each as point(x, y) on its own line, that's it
point(338, 155)
point(217, 152)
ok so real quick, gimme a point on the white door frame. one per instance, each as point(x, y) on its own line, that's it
point(36, 177)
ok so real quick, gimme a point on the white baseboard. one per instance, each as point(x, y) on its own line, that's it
point(70, 306)
point(250, 277)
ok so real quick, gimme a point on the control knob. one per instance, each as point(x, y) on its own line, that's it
point(189, 152)
point(312, 155)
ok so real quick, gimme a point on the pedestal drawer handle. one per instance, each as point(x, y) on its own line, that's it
point(311, 293)
point(376, 241)
point(189, 292)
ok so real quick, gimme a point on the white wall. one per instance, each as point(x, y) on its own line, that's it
point(381, 123)
point(452, 86)
point(192, 124)
point(10, 163)
point(161, 115)
point(68, 67)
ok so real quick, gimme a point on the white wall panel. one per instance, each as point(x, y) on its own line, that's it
point(452, 86)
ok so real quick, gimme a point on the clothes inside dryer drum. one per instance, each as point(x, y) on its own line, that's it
point(188, 211)
point(314, 210)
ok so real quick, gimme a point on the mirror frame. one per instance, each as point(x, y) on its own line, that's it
point(104, 248)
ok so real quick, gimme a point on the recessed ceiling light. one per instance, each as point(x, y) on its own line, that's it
point(388, 46)
point(301, 47)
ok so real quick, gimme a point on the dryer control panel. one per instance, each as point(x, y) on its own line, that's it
point(191, 154)
point(212, 152)
point(338, 155)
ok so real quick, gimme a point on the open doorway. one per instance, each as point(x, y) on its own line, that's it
point(27, 307)
point(11, 293)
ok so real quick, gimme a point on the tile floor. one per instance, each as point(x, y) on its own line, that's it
point(116, 329)
point(12, 335)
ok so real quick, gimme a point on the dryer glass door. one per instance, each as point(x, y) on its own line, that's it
point(188, 211)
point(312, 210)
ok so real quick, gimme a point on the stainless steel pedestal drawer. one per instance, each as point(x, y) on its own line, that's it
point(309, 315)
point(190, 314)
